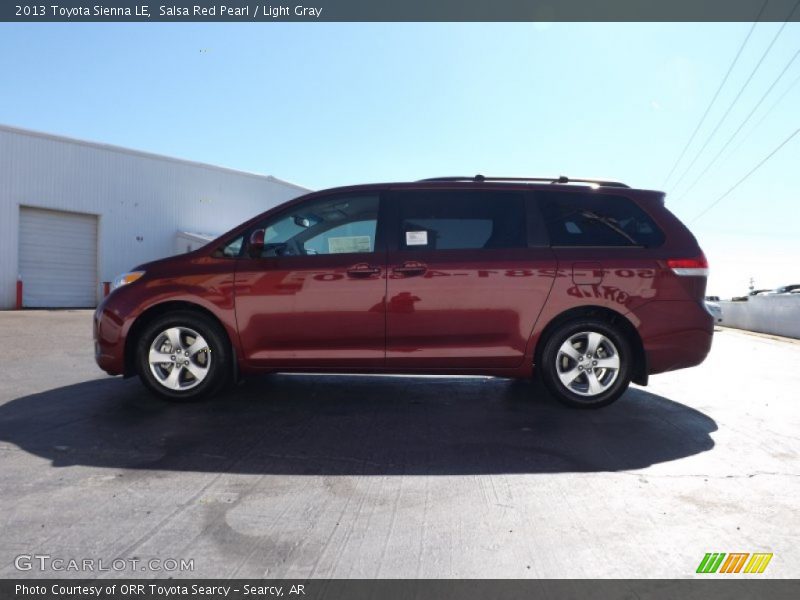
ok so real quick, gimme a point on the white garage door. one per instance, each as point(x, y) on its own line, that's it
point(57, 258)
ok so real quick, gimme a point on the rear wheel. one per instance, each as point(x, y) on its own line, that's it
point(183, 356)
point(586, 363)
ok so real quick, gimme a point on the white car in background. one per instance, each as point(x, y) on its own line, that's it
point(786, 289)
point(715, 310)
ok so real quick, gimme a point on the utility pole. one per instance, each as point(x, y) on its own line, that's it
point(752, 284)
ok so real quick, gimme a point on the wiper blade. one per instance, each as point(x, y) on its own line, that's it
point(610, 223)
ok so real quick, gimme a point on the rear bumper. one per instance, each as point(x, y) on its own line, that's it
point(675, 334)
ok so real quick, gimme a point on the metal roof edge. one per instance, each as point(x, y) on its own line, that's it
point(143, 154)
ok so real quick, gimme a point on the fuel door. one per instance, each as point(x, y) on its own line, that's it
point(587, 273)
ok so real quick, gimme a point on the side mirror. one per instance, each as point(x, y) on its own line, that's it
point(256, 246)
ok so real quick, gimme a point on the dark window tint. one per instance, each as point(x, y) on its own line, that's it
point(451, 220)
point(590, 219)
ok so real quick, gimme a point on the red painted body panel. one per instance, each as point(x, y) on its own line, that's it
point(467, 312)
point(675, 334)
point(308, 311)
point(193, 279)
point(468, 309)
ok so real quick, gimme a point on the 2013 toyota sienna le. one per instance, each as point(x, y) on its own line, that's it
point(590, 283)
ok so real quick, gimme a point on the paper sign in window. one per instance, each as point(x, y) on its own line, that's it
point(349, 244)
point(416, 238)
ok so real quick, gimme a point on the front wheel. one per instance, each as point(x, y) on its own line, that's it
point(183, 356)
point(586, 363)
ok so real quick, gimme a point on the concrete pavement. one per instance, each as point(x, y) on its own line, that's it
point(356, 476)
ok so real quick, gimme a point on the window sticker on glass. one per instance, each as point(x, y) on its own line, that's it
point(416, 238)
point(349, 244)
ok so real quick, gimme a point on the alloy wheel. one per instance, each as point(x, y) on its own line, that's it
point(587, 363)
point(179, 358)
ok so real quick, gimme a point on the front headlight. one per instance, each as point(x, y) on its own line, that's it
point(126, 278)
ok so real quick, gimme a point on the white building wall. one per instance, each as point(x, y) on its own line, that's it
point(142, 200)
point(777, 314)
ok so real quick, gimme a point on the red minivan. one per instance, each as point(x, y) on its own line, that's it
point(591, 283)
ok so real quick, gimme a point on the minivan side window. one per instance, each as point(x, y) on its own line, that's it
point(333, 225)
point(461, 219)
point(592, 219)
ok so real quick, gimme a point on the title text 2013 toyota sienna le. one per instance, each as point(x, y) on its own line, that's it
point(591, 283)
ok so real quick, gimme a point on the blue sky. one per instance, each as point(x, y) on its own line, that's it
point(331, 104)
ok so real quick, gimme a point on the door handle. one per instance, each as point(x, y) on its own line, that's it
point(411, 267)
point(363, 270)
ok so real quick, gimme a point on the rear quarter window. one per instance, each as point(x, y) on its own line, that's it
point(592, 219)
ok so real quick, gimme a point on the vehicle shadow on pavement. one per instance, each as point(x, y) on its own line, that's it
point(352, 425)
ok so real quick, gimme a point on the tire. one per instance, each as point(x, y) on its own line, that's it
point(182, 377)
point(564, 361)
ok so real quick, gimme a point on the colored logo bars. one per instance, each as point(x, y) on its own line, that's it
point(716, 562)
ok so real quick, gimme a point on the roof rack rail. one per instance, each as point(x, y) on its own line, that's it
point(561, 179)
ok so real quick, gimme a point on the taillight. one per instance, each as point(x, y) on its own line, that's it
point(697, 267)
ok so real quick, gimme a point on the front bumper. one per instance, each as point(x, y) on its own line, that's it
point(109, 342)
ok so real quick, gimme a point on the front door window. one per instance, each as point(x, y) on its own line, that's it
point(340, 225)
